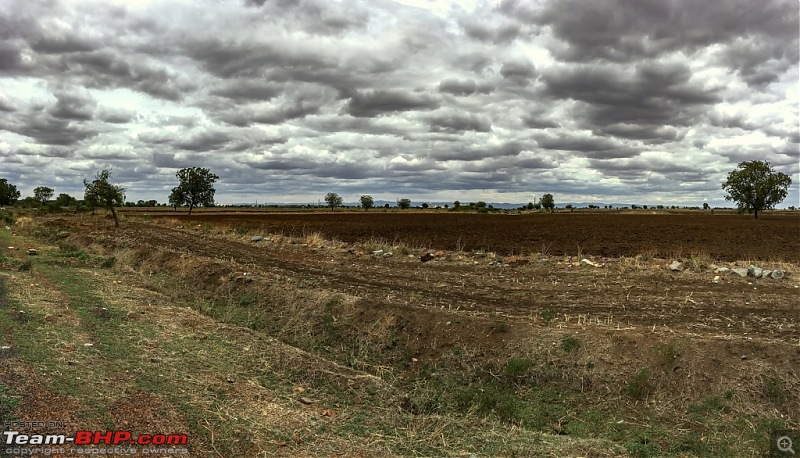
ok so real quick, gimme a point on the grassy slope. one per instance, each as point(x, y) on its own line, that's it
point(156, 365)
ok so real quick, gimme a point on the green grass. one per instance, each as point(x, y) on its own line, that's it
point(570, 343)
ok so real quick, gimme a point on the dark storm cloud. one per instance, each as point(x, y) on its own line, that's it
point(479, 30)
point(539, 122)
point(588, 146)
point(458, 87)
point(247, 90)
point(519, 71)
point(73, 105)
point(654, 94)
point(370, 104)
point(627, 30)
point(454, 122)
point(203, 140)
point(115, 115)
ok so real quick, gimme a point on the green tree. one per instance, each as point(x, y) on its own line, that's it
point(425, 205)
point(705, 206)
point(101, 193)
point(547, 202)
point(65, 200)
point(404, 203)
point(195, 188)
point(456, 204)
point(367, 202)
point(333, 200)
point(8, 192)
point(756, 186)
point(42, 194)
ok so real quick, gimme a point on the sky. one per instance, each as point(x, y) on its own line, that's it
point(640, 101)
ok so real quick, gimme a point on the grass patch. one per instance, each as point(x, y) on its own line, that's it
point(570, 343)
point(640, 386)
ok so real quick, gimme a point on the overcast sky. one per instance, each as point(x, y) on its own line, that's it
point(642, 101)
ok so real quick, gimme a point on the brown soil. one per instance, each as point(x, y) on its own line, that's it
point(723, 236)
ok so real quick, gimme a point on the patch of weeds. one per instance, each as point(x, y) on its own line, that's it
point(500, 327)
point(570, 344)
point(640, 386)
point(354, 427)
point(774, 390)
point(517, 367)
point(8, 404)
point(712, 405)
point(547, 315)
point(108, 262)
point(667, 354)
point(247, 299)
point(642, 447)
point(25, 266)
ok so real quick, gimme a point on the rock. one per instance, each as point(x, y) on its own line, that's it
point(5, 348)
point(230, 380)
point(426, 257)
point(155, 359)
point(387, 255)
point(744, 357)
point(587, 262)
point(722, 270)
point(306, 400)
point(676, 266)
point(256, 238)
point(777, 274)
point(439, 254)
point(715, 280)
point(754, 271)
point(88, 345)
point(378, 252)
point(766, 273)
point(740, 272)
point(517, 261)
point(33, 251)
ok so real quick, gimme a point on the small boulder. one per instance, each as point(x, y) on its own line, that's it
point(256, 238)
point(587, 262)
point(378, 252)
point(33, 251)
point(722, 270)
point(426, 257)
point(676, 266)
point(766, 273)
point(740, 272)
point(777, 274)
point(755, 271)
point(715, 280)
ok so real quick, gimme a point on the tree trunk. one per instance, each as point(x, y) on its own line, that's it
point(190, 208)
point(756, 212)
point(114, 214)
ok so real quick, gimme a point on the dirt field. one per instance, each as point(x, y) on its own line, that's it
point(723, 236)
point(469, 353)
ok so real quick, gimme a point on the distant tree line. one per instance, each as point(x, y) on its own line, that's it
point(754, 185)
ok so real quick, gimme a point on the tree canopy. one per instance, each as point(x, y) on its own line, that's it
point(756, 186)
point(333, 200)
point(404, 203)
point(100, 192)
point(547, 202)
point(367, 202)
point(195, 188)
point(8, 192)
point(42, 194)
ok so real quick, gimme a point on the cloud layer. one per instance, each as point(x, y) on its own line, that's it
point(636, 100)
